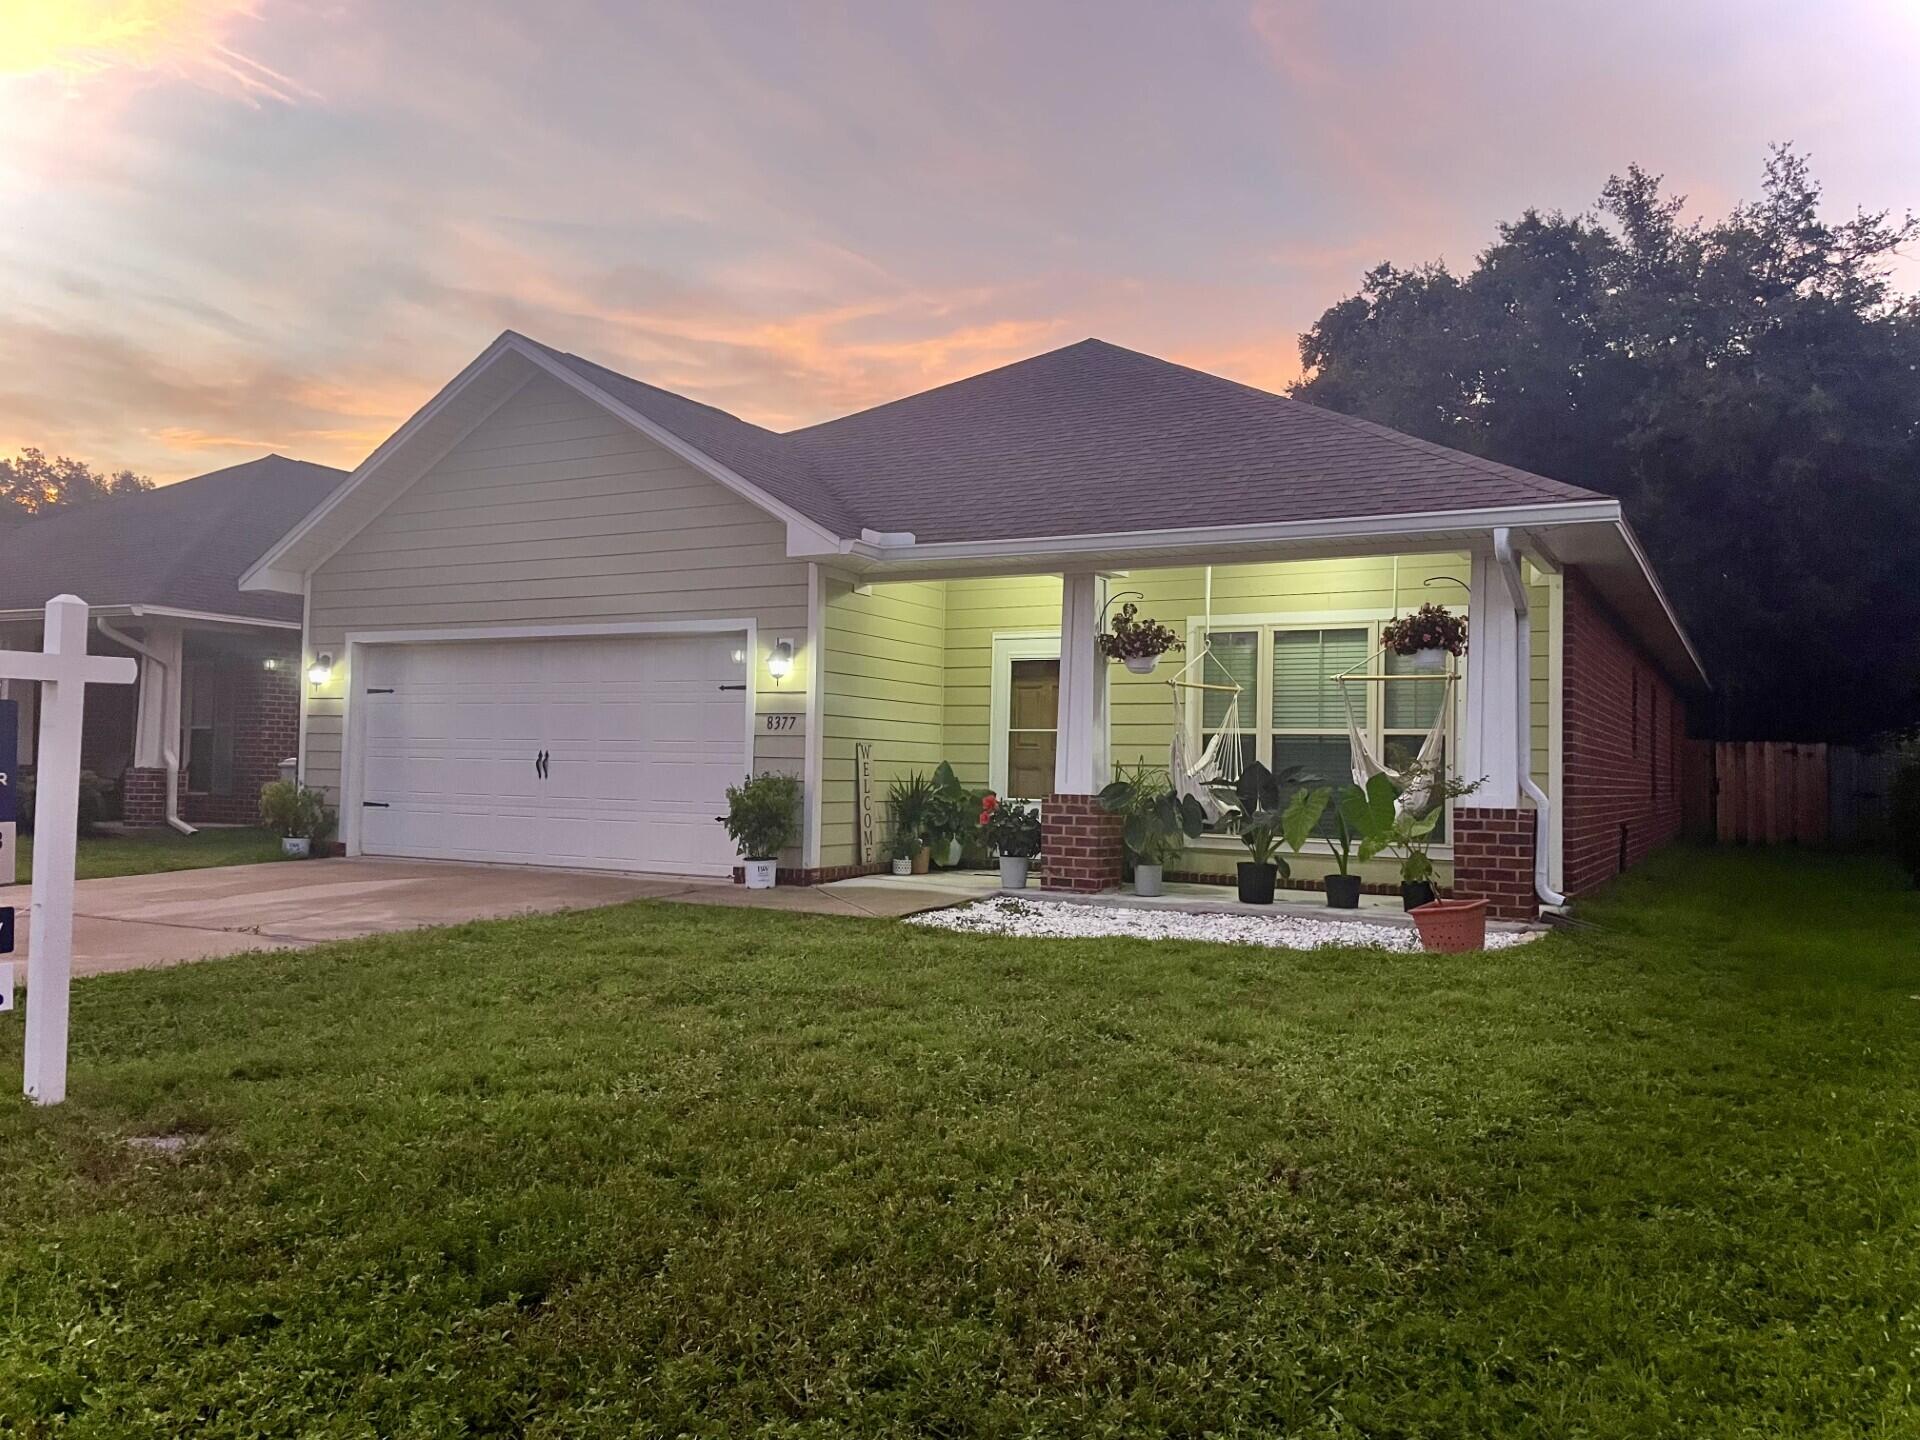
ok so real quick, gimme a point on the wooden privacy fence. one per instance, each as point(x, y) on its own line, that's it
point(1770, 792)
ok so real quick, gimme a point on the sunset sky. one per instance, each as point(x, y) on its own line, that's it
point(282, 224)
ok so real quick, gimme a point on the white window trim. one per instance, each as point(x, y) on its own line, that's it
point(1009, 646)
point(1268, 622)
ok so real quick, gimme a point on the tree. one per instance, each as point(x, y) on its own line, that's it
point(1750, 390)
point(33, 484)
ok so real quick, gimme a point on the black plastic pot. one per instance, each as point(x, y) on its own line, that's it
point(1414, 894)
point(1343, 892)
point(1256, 882)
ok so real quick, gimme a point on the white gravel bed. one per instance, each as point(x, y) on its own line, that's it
point(1064, 920)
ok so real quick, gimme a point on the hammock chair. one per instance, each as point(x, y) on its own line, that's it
point(1221, 759)
point(1416, 794)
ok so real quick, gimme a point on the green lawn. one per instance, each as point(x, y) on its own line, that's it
point(660, 1170)
point(150, 852)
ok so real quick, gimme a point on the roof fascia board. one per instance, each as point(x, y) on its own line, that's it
point(270, 564)
point(160, 612)
point(1063, 548)
point(1632, 542)
point(802, 530)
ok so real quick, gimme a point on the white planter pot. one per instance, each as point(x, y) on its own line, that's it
point(1147, 880)
point(1142, 664)
point(903, 866)
point(295, 847)
point(1427, 662)
point(760, 874)
point(953, 853)
point(1013, 871)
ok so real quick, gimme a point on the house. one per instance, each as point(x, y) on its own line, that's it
point(217, 704)
point(560, 609)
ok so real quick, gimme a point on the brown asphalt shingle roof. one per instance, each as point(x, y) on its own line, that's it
point(1088, 439)
point(182, 546)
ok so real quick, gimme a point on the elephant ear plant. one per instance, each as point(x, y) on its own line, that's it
point(1158, 822)
point(1260, 818)
point(1375, 815)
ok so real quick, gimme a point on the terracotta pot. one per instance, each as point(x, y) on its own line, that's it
point(1448, 927)
point(923, 860)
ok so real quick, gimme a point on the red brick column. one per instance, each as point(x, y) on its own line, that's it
point(1082, 844)
point(143, 796)
point(1493, 861)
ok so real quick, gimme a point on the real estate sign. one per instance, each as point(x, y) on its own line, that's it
point(9, 792)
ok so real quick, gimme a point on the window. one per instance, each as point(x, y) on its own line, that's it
point(1024, 715)
point(206, 717)
point(1293, 712)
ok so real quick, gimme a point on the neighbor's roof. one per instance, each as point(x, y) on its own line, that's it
point(180, 547)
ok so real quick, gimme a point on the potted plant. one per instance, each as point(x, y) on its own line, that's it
point(762, 816)
point(1302, 815)
point(1377, 814)
point(911, 799)
point(1428, 636)
point(1013, 830)
point(949, 817)
point(297, 813)
point(1138, 643)
point(1158, 822)
point(905, 846)
point(1260, 822)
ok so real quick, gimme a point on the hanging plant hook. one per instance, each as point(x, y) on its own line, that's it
point(1120, 595)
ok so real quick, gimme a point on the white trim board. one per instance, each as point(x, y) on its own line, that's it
point(1008, 646)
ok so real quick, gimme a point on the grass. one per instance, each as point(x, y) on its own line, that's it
point(659, 1170)
point(152, 852)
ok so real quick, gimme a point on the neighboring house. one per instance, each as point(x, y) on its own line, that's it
point(216, 707)
point(560, 610)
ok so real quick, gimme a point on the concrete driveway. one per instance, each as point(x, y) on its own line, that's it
point(134, 921)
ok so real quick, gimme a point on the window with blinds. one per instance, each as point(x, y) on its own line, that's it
point(1293, 713)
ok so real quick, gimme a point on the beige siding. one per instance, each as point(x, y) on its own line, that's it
point(884, 682)
point(553, 512)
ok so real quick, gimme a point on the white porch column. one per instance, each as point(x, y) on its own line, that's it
point(156, 726)
point(1080, 757)
point(1491, 745)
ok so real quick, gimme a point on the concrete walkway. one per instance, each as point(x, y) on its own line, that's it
point(134, 922)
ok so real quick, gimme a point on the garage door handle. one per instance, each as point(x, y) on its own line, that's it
point(733, 687)
point(540, 764)
point(376, 804)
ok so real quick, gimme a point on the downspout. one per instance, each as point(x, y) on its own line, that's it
point(169, 752)
point(1523, 643)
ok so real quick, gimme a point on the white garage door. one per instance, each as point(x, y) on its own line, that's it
point(610, 752)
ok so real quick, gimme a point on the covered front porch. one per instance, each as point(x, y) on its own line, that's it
point(997, 674)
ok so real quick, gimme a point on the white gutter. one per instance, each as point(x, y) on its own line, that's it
point(169, 753)
point(1523, 643)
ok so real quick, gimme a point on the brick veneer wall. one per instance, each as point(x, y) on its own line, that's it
point(1083, 844)
point(1493, 860)
point(1624, 728)
point(266, 730)
point(143, 796)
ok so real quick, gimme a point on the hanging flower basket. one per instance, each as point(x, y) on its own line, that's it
point(1137, 643)
point(1427, 637)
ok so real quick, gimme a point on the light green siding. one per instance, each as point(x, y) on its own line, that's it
point(884, 682)
point(889, 673)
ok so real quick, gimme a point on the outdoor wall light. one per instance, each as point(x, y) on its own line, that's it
point(739, 655)
point(321, 671)
point(780, 661)
point(272, 662)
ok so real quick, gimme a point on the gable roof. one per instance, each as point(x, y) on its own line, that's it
point(1097, 438)
point(178, 547)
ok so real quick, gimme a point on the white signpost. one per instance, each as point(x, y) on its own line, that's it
point(64, 670)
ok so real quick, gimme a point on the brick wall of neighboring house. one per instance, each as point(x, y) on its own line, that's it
point(1082, 843)
point(266, 727)
point(1625, 728)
